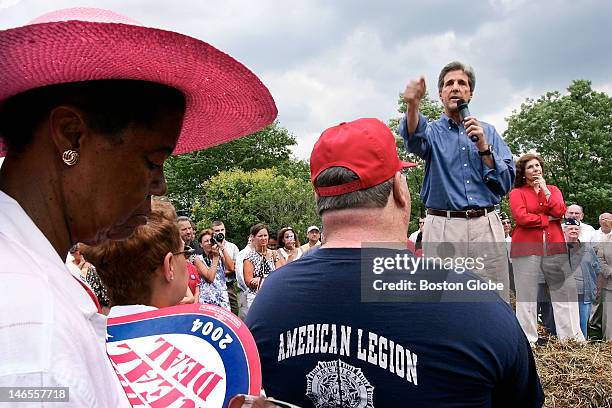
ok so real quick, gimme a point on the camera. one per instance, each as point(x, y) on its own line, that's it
point(218, 238)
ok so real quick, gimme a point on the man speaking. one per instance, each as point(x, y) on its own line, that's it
point(468, 169)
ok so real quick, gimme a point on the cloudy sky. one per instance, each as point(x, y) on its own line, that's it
point(336, 60)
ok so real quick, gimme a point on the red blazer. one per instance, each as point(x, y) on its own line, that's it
point(533, 232)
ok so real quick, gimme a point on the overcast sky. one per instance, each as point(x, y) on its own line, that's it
point(337, 60)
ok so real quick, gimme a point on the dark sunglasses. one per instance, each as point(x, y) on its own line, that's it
point(186, 252)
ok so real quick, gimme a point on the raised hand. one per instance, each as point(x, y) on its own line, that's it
point(414, 92)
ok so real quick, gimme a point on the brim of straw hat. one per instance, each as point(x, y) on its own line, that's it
point(224, 99)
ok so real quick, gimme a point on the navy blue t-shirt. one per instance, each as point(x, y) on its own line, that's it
point(322, 346)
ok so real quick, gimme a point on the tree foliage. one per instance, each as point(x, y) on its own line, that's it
point(185, 173)
point(241, 199)
point(432, 110)
point(573, 134)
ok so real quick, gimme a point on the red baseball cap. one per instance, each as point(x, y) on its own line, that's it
point(365, 146)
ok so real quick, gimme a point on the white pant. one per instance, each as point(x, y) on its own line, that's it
point(563, 294)
point(243, 305)
point(606, 302)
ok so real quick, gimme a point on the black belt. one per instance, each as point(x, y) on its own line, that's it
point(476, 212)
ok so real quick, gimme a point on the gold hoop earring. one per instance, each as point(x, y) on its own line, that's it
point(70, 157)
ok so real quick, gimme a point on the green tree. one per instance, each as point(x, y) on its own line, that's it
point(185, 173)
point(296, 169)
point(241, 199)
point(432, 110)
point(573, 134)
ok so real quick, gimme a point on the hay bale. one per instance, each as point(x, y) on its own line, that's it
point(575, 374)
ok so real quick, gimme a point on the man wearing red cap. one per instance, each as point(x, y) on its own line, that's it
point(355, 330)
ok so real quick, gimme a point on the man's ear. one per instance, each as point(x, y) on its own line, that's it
point(67, 125)
point(401, 195)
point(168, 267)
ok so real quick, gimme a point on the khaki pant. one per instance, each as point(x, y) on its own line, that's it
point(233, 298)
point(606, 303)
point(563, 294)
point(479, 237)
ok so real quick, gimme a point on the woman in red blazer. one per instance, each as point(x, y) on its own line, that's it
point(538, 251)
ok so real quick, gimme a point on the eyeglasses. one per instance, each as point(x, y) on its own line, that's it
point(421, 222)
point(186, 252)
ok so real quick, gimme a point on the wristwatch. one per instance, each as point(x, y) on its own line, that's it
point(487, 152)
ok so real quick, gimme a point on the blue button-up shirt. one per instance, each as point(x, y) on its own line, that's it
point(456, 177)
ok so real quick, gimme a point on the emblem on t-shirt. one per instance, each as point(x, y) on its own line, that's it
point(336, 383)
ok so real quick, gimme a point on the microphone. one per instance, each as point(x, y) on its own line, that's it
point(464, 112)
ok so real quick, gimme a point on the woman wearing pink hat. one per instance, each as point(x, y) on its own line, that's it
point(91, 105)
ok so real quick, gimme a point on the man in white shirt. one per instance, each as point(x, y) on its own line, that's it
point(229, 252)
point(596, 321)
point(603, 227)
point(586, 231)
point(413, 237)
point(314, 234)
point(507, 224)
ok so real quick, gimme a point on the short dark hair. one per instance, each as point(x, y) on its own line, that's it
point(373, 197)
point(183, 218)
point(457, 66)
point(109, 106)
point(258, 227)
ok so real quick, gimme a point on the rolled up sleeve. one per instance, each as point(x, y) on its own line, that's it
point(501, 178)
point(417, 143)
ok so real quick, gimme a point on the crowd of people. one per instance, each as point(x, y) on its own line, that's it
point(104, 130)
point(217, 270)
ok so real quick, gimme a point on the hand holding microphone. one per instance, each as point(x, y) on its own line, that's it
point(464, 112)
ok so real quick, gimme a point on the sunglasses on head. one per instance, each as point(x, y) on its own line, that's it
point(186, 252)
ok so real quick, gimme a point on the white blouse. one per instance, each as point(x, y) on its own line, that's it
point(51, 334)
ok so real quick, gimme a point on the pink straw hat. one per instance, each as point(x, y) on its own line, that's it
point(225, 100)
